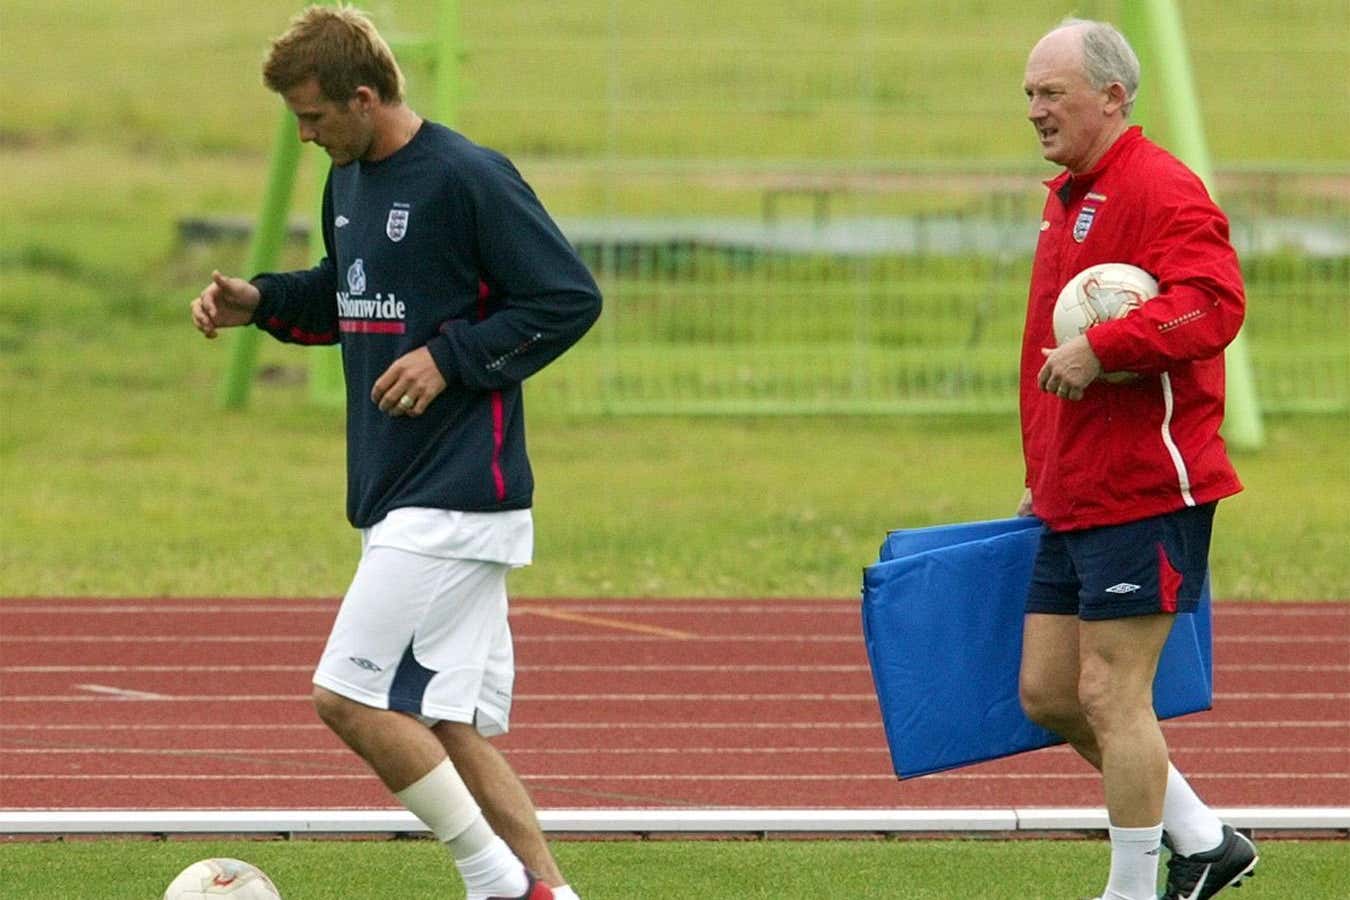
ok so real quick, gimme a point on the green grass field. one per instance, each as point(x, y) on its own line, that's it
point(824, 80)
point(120, 475)
point(123, 477)
point(627, 870)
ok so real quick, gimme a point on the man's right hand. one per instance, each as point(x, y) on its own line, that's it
point(1024, 506)
point(225, 303)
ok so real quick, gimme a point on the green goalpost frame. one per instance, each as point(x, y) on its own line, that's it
point(264, 249)
point(441, 53)
point(1159, 39)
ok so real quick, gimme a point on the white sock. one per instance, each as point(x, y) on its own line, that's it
point(442, 801)
point(472, 840)
point(564, 892)
point(1192, 827)
point(494, 872)
point(1134, 863)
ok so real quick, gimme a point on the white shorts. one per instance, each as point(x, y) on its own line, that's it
point(426, 635)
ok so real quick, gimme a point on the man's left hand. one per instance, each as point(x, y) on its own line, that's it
point(408, 386)
point(1069, 369)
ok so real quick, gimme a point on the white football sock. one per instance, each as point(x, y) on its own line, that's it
point(1134, 863)
point(495, 872)
point(1192, 827)
point(442, 801)
point(564, 892)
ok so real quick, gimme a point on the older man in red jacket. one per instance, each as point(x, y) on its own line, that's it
point(1125, 475)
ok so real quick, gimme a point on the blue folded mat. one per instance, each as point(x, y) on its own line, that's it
point(942, 617)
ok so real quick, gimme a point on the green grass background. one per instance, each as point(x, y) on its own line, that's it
point(119, 474)
point(712, 870)
point(788, 80)
point(123, 477)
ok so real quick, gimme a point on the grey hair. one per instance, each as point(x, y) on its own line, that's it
point(1108, 58)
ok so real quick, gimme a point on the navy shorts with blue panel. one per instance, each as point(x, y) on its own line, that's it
point(1153, 565)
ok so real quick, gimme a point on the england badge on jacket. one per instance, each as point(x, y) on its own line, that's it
point(1083, 223)
point(396, 226)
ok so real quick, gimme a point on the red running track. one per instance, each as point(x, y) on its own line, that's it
point(204, 704)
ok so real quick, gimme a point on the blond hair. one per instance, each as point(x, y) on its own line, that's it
point(338, 46)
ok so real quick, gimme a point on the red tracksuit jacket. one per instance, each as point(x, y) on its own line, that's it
point(1150, 446)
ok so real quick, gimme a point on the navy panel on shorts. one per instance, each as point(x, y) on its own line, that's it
point(410, 684)
point(1137, 568)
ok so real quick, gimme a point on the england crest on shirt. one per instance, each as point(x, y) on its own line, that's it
point(396, 226)
point(1083, 223)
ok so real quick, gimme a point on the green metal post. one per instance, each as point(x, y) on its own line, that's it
point(1163, 31)
point(264, 251)
point(1134, 23)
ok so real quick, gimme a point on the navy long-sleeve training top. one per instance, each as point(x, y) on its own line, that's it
point(441, 245)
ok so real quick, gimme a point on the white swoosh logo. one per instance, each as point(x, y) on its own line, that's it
point(1199, 885)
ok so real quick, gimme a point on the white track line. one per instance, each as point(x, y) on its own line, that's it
point(721, 669)
point(58, 670)
point(518, 607)
point(181, 698)
point(830, 605)
point(701, 779)
point(582, 726)
point(118, 693)
point(853, 639)
point(343, 753)
point(586, 751)
point(1301, 668)
point(135, 696)
point(1283, 695)
point(1284, 667)
point(160, 638)
point(869, 724)
point(102, 608)
point(758, 821)
point(1245, 724)
point(167, 751)
point(1283, 639)
point(310, 776)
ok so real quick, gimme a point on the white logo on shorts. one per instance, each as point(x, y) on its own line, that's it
point(1123, 588)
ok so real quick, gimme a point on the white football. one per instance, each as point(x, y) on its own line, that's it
point(1098, 294)
point(230, 878)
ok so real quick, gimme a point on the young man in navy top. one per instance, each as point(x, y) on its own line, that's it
point(446, 284)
